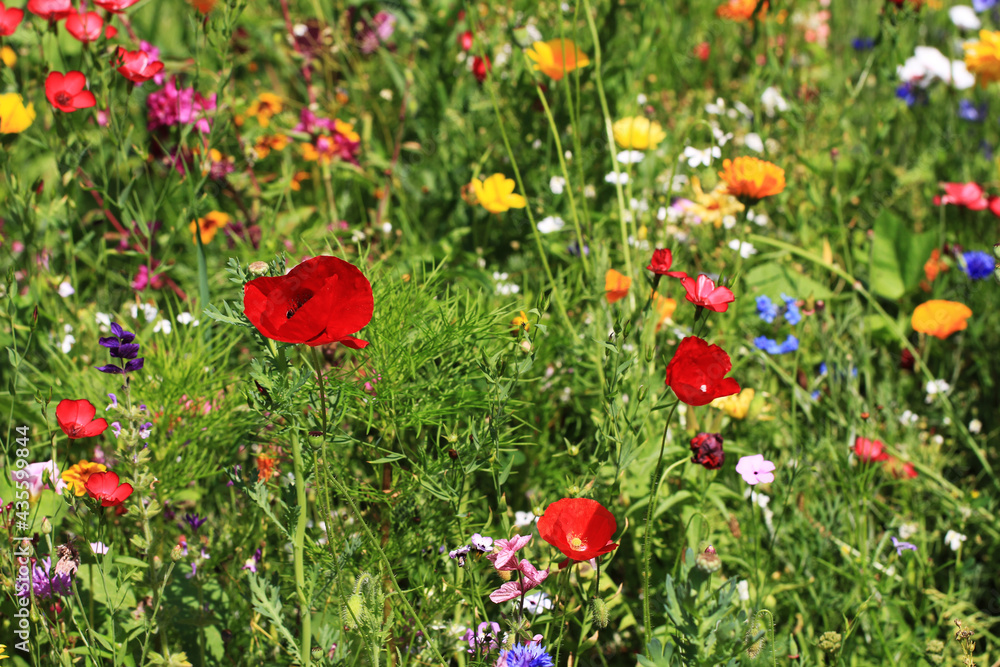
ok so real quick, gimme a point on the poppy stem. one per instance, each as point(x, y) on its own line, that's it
point(305, 652)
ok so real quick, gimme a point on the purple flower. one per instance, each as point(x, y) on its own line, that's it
point(863, 43)
point(114, 402)
point(755, 469)
point(194, 571)
point(486, 637)
point(171, 106)
point(48, 586)
point(145, 430)
point(117, 428)
point(460, 553)
point(977, 264)
point(983, 5)
point(974, 113)
point(480, 543)
point(120, 346)
point(525, 655)
point(252, 562)
point(194, 521)
point(902, 546)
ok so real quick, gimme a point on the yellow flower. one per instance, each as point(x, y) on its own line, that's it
point(265, 106)
point(15, 117)
point(297, 179)
point(557, 57)
point(752, 178)
point(265, 144)
point(638, 132)
point(940, 318)
point(521, 321)
point(496, 194)
point(712, 207)
point(209, 225)
point(8, 56)
point(737, 405)
point(346, 130)
point(3, 652)
point(76, 477)
point(983, 57)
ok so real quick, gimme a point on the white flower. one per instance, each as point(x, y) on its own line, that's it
point(729, 221)
point(522, 519)
point(928, 65)
point(935, 387)
point(65, 289)
point(908, 530)
point(99, 548)
point(975, 426)
point(631, 157)
point(67, 343)
point(149, 311)
point(552, 223)
point(533, 32)
point(908, 418)
point(759, 219)
point(638, 205)
point(745, 249)
point(954, 539)
point(696, 158)
point(964, 17)
point(164, 326)
point(536, 144)
point(386, 227)
point(536, 603)
point(186, 318)
point(661, 213)
point(679, 182)
point(772, 101)
point(568, 155)
point(743, 590)
point(557, 184)
point(503, 55)
point(641, 99)
point(67, 328)
point(743, 109)
point(103, 319)
point(716, 109)
point(721, 138)
point(754, 142)
point(620, 179)
point(589, 191)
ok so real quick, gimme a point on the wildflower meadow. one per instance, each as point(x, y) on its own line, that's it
point(538, 333)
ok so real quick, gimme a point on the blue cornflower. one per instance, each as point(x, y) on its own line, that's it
point(983, 5)
point(772, 346)
point(821, 369)
point(120, 346)
point(792, 314)
point(863, 43)
point(911, 94)
point(790, 345)
point(977, 264)
point(526, 655)
point(975, 113)
point(766, 309)
point(902, 546)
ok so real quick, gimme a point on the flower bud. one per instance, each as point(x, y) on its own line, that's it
point(46, 526)
point(600, 612)
point(708, 561)
point(996, 250)
point(257, 268)
point(176, 553)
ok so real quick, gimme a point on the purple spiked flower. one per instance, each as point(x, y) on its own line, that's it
point(120, 346)
point(194, 521)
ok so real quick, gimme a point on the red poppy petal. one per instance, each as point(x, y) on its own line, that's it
point(353, 343)
point(71, 414)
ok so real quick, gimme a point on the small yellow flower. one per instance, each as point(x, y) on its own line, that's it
point(3, 652)
point(983, 57)
point(266, 144)
point(737, 405)
point(15, 117)
point(557, 57)
point(496, 194)
point(264, 107)
point(78, 474)
point(209, 225)
point(712, 207)
point(8, 56)
point(521, 321)
point(638, 132)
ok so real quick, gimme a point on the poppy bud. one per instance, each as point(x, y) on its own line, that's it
point(34, 318)
point(707, 448)
point(996, 250)
point(480, 67)
point(452, 454)
point(906, 360)
point(600, 612)
point(708, 561)
point(46, 526)
point(176, 553)
point(257, 268)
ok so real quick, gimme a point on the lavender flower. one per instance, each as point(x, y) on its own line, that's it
point(480, 543)
point(48, 586)
point(252, 562)
point(460, 553)
point(194, 521)
point(902, 546)
point(485, 638)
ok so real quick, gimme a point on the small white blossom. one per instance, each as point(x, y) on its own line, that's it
point(621, 178)
point(729, 221)
point(631, 157)
point(908, 530)
point(164, 326)
point(954, 540)
point(975, 426)
point(773, 102)
point(589, 191)
point(743, 590)
point(754, 142)
point(533, 32)
point(522, 519)
point(759, 219)
point(661, 213)
point(935, 387)
point(103, 319)
point(641, 99)
point(908, 418)
point(186, 318)
point(67, 343)
point(386, 227)
point(549, 224)
point(557, 184)
point(640, 205)
point(745, 249)
point(149, 311)
point(65, 289)
point(696, 158)
point(964, 17)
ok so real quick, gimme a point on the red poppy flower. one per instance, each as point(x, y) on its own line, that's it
point(703, 292)
point(660, 263)
point(480, 66)
point(104, 486)
point(870, 451)
point(9, 20)
point(322, 300)
point(76, 419)
point(578, 527)
point(137, 66)
point(85, 26)
point(696, 373)
point(50, 10)
point(969, 195)
point(707, 449)
point(465, 40)
point(66, 93)
point(115, 6)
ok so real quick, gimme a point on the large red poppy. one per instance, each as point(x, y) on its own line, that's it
point(76, 419)
point(870, 451)
point(578, 527)
point(9, 19)
point(104, 486)
point(66, 91)
point(697, 372)
point(322, 300)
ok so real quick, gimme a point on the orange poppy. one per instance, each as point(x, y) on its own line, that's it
point(940, 318)
point(616, 285)
point(752, 178)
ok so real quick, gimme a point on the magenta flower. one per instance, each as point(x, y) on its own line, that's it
point(503, 559)
point(171, 106)
point(530, 578)
point(154, 54)
point(755, 469)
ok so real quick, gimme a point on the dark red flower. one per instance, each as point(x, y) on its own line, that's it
point(137, 66)
point(115, 6)
point(707, 448)
point(696, 373)
point(322, 300)
point(85, 26)
point(104, 486)
point(660, 263)
point(703, 292)
point(906, 360)
point(578, 527)
point(465, 40)
point(899, 469)
point(869, 451)
point(66, 92)
point(50, 10)
point(76, 419)
point(9, 20)
point(480, 67)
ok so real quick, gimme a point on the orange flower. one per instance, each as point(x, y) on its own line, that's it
point(940, 318)
point(203, 6)
point(934, 266)
point(739, 10)
point(557, 57)
point(752, 178)
point(264, 107)
point(265, 467)
point(297, 179)
point(616, 285)
point(76, 477)
point(664, 308)
point(519, 322)
point(209, 225)
point(265, 144)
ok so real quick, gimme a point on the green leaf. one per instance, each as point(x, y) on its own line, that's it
point(898, 256)
point(773, 279)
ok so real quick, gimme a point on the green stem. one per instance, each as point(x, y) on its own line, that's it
point(305, 653)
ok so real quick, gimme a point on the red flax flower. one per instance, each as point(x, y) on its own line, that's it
point(870, 451)
point(136, 66)
point(104, 486)
point(970, 195)
point(660, 263)
point(697, 372)
point(9, 20)
point(578, 527)
point(703, 292)
point(322, 300)
point(76, 419)
point(66, 93)
point(85, 26)
point(50, 10)
point(115, 6)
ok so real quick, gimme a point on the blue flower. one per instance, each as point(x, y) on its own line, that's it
point(902, 546)
point(790, 345)
point(792, 314)
point(977, 264)
point(821, 369)
point(975, 113)
point(772, 346)
point(863, 43)
point(766, 309)
point(911, 94)
point(526, 655)
point(983, 5)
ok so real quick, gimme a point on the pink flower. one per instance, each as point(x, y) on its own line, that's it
point(170, 106)
point(507, 553)
point(969, 195)
point(703, 292)
point(530, 578)
point(755, 469)
point(34, 473)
